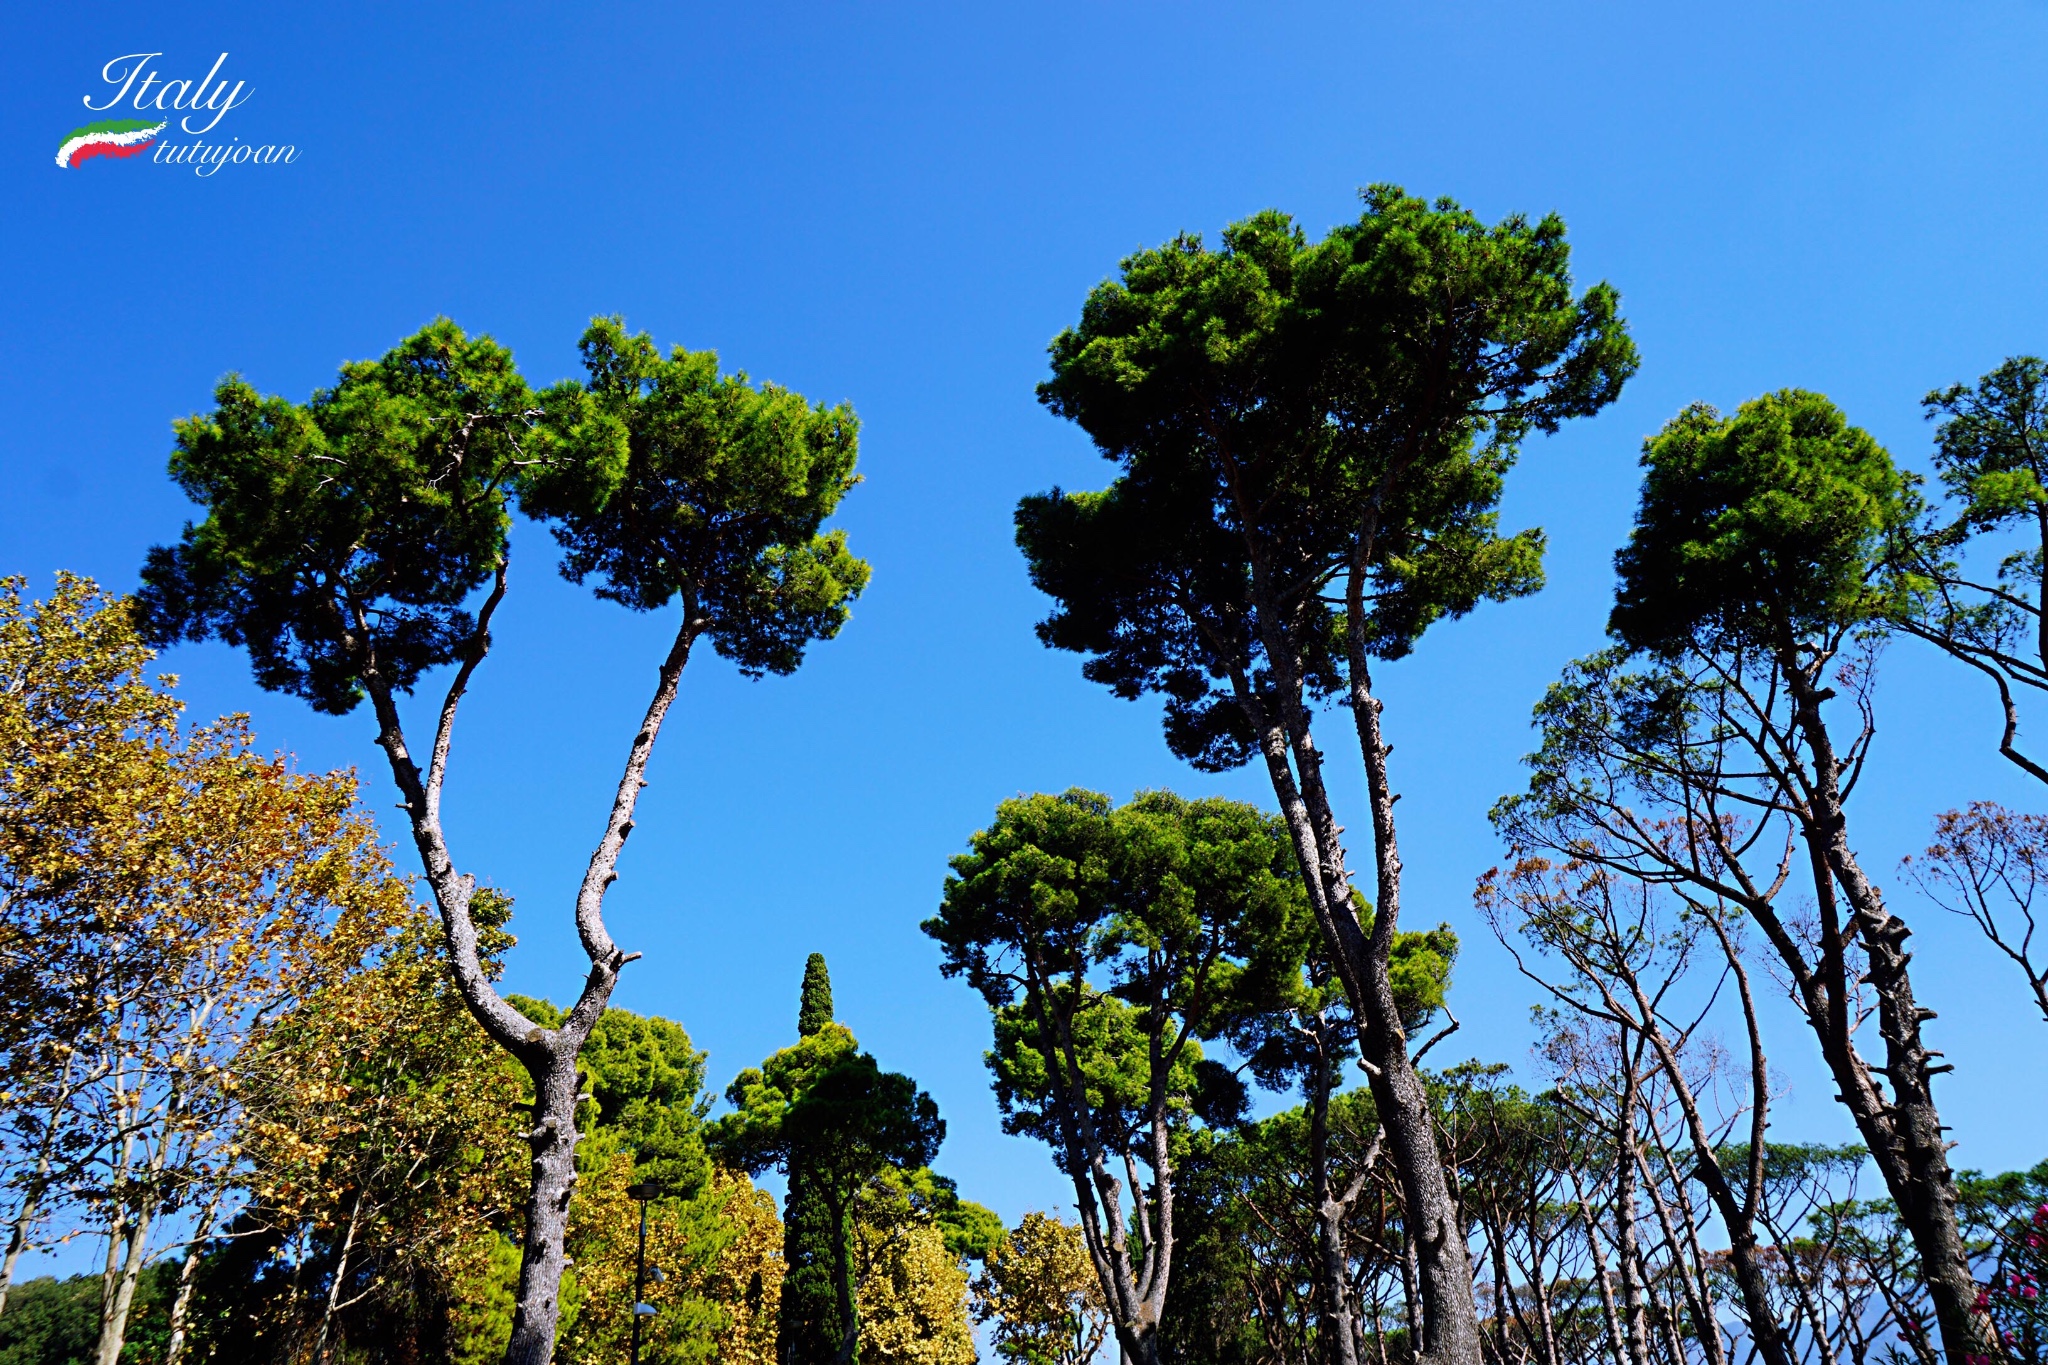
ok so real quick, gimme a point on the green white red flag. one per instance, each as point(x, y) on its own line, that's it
point(114, 137)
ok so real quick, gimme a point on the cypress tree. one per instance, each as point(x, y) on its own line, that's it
point(808, 1330)
point(816, 1010)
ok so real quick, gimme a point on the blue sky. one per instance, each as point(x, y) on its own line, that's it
point(899, 206)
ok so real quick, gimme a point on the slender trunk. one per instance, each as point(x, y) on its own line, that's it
point(1450, 1320)
point(1450, 1316)
point(1135, 1293)
point(1411, 1295)
point(335, 1281)
point(1625, 1251)
point(1905, 1134)
point(842, 1288)
point(188, 1280)
point(1667, 1320)
point(1689, 1269)
point(1738, 1217)
point(1339, 1341)
point(1610, 1312)
point(115, 1310)
point(17, 1239)
point(1539, 1289)
point(1802, 1289)
point(1505, 1303)
point(38, 1184)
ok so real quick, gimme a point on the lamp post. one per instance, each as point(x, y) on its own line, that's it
point(642, 1194)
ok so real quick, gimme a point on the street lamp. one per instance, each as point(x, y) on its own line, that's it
point(642, 1194)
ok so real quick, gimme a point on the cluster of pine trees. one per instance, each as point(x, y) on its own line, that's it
point(306, 1124)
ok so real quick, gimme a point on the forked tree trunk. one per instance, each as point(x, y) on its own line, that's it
point(549, 1055)
point(1133, 1288)
point(1449, 1332)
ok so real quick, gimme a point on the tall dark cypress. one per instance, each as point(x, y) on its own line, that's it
point(816, 1010)
point(808, 1330)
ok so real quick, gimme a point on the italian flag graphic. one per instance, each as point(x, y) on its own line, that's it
point(115, 137)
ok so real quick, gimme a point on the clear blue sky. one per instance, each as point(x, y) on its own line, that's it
point(899, 206)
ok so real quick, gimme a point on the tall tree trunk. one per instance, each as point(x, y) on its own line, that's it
point(188, 1280)
point(545, 1254)
point(1666, 1319)
point(1507, 1309)
point(1738, 1216)
point(1904, 1134)
point(1133, 1287)
point(1333, 1258)
point(1617, 1342)
point(336, 1280)
point(1625, 1250)
point(114, 1310)
point(1687, 1267)
point(843, 1288)
point(1450, 1315)
point(17, 1240)
point(549, 1055)
point(1539, 1289)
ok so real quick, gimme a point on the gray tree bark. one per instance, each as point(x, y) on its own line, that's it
point(1904, 1133)
point(1449, 1314)
point(548, 1055)
point(1339, 1331)
point(188, 1281)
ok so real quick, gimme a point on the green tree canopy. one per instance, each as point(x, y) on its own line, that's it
point(349, 530)
point(1284, 411)
point(1311, 441)
point(1758, 582)
point(1991, 454)
point(1106, 941)
point(826, 1104)
point(666, 478)
point(827, 1114)
point(1763, 528)
point(361, 519)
